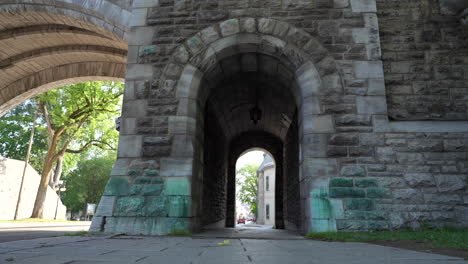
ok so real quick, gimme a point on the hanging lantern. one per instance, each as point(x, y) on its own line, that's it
point(255, 114)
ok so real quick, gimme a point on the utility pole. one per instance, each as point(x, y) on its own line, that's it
point(26, 162)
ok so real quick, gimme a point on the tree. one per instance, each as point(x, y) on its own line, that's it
point(86, 183)
point(247, 180)
point(15, 129)
point(77, 117)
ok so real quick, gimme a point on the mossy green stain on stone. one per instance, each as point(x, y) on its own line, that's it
point(148, 50)
point(366, 182)
point(156, 206)
point(179, 206)
point(346, 192)
point(361, 204)
point(151, 172)
point(378, 193)
point(134, 172)
point(130, 206)
point(143, 180)
point(341, 182)
point(322, 211)
point(117, 186)
point(147, 189)
point(177, 186)
point(157, 180)
point(165, 225)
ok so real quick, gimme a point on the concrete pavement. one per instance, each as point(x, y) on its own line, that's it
point(23, 230)
point(174, 250)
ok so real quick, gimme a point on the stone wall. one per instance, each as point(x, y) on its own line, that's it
point(292, 194)
point(214, 172)
point(425, 55)
point(357, 169)
point(11, 172)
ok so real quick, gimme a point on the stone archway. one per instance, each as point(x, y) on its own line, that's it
point(301, 64)
point(48, 44)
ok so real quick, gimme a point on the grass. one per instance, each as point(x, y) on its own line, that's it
point(179, 232)
point(35, 220)
point(444, 237)
point(81, 233)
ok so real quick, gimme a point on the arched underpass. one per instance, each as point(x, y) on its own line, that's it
point(235, 86)
point(49, 44)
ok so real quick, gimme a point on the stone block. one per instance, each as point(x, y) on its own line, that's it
point(376, 87)
point(195, 44)
point(344, 139)
point(117, 186)
point(368, 69)
point(145, 3)
point(363, 6)
point(166, 225)
point(138, 164)
point(229, 27)
point(378, 193)
point(346, 193)
point(141, 36)
point(130, 146)
point(408, 195)
point(313, 167)
point(156, 206)
point(179, 206)
point(419, 179)
point(351, 225)
point(318, 124)
point(353, 120)
point(178, 167)
point(365, 215)
point(177, 186)
point(248, 25)
point(449, 183)
point(266, 25)
point(120, 167)
point(308, 79)
point(134, 108)
point(209, 35)
point(106, 206)
point(146, 189)
point(130, 206)
point(182, 125)
point(314, 145)
point(438, 198)
point(353, 171)
point(359, 204)
point(138, 17)
point(341, 182)
point(366, 182)
point(371, 104)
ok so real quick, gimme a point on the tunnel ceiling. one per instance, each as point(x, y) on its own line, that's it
point(240, 82)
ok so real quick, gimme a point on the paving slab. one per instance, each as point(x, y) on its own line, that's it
point(194, 250)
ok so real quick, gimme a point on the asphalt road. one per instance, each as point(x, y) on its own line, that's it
point(25, 231)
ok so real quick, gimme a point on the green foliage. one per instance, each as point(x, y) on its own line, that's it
point(444, 237)
point(86, 112)
point(15, 130)
point(246, 178)
point(86, 183)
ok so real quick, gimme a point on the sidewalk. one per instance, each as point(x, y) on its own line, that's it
point(23, 230)
point(174, 250)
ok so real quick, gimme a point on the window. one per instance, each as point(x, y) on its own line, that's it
point(267, 183)
point(267, 211)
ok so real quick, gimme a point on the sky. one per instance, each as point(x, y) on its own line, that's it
point(255, 157)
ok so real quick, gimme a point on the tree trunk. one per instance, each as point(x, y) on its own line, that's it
point(38, 211)
point(57, 173)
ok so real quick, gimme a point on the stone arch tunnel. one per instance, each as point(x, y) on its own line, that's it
point(363, 104)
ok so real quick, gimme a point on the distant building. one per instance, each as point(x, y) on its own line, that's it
point(266, 191)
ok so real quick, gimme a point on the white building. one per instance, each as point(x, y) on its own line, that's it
point(266, 191)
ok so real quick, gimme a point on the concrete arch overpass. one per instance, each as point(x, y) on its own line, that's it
point(52, 43)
